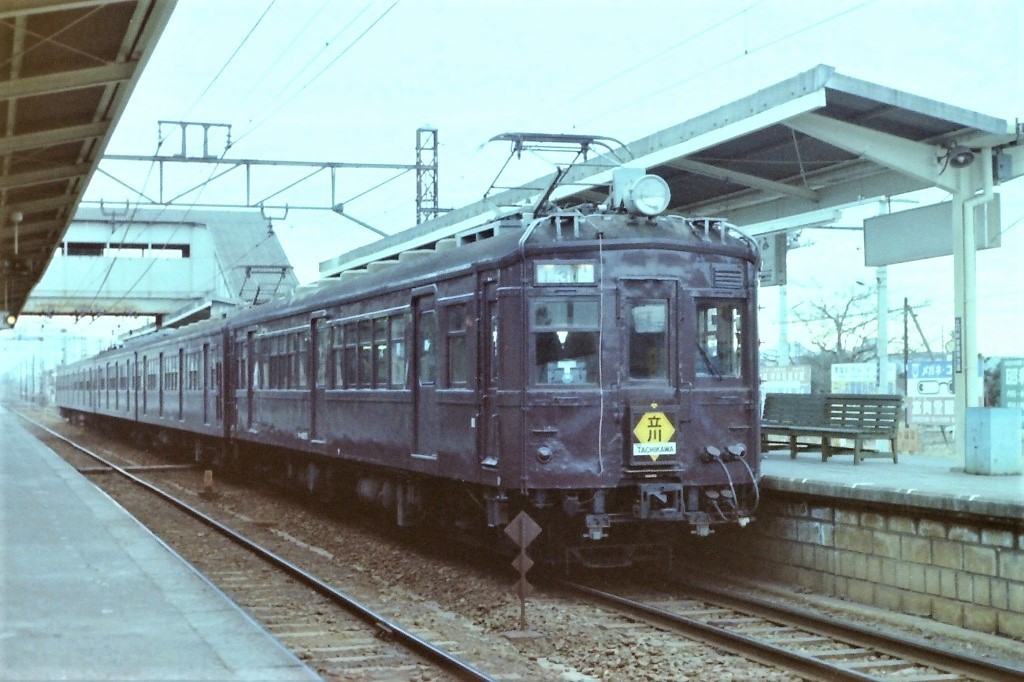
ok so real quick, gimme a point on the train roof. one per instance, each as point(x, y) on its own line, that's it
point(498, 241)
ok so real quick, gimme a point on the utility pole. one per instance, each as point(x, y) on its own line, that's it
point(906, 360)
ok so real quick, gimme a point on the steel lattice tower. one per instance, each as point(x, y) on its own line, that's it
point(426, 174)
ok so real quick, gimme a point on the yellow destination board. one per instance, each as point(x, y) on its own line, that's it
point(654, 433)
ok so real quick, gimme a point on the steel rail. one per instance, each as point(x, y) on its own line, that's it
point(386, 627)
point(764, 652)
point(894, 645)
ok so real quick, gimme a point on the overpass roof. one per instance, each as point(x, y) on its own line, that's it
point(67, 68)
point(818, 140)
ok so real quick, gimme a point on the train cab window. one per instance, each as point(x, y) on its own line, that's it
point(456, 341)
point(648, 340)
point(719, 339)
point(398, 359)
point(565, 341)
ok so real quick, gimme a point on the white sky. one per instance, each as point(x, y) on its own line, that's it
point(302, 88)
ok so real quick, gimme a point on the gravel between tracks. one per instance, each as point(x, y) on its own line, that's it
point(471, 607)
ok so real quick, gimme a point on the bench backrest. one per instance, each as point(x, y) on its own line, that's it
point(798, 409)
point(870, 413)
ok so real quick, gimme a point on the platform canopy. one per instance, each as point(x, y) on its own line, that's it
point(67, 68)
point(819, 140)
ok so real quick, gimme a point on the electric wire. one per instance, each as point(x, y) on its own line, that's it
point(238, 49)
point(771, 43)
point(685, 41)
point(322, 71)
point(297, 74)
point(279, 59)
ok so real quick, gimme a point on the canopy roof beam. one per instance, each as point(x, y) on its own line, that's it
point(917, 159)
point(62, 81)
point(745, 179)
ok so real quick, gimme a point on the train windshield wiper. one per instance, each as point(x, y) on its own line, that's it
point(707, 361)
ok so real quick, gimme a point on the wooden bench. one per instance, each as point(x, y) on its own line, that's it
point(856, 417)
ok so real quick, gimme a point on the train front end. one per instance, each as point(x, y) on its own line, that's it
point(641, 418)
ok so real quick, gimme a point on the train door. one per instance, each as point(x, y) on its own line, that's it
point(649, 310)
point(225, 363)
point(488, 445)
point(319, 358)
point(650, 322)
point(424, 380)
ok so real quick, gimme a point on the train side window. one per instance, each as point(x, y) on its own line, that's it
point(648, 339)
point(278, 360)
point(426, 359)
point(399, 367)
point(365, 354)
point(351, 355)
point(719, 339)
point(338, 356)
point(323, 351)
point(261, 377)
point(494, 346)
point(565, 341)
point(242, 355)
point(456, 342)
point(380, 352)
point(300, 344)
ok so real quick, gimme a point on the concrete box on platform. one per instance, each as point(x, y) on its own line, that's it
point(993, 441)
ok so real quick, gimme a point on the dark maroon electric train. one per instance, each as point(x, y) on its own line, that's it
point(595, 367)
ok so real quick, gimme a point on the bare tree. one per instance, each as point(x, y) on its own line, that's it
point(842, 329)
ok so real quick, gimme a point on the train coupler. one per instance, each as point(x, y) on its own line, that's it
point(597, 526)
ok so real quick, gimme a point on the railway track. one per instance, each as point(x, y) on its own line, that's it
point(332, 632)
point(807, 644)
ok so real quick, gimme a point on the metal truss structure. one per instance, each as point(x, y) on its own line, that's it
point(262, 172)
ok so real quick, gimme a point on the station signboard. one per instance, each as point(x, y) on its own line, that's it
point(925, 232)
point(773, 259)
point(1011, 383)
point(861, 377)
point(790, 379)
point(930, 393)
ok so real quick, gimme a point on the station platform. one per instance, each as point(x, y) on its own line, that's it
point(87, 592)
point(924, 481)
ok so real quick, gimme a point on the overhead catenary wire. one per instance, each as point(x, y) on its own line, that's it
point(658, 55)
point(320, 73)
point(279, 58)
point(238, 49)
point(202, 186)
point(643, 99)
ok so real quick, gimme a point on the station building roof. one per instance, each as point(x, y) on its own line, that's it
point(770, 155)
point(67, 68)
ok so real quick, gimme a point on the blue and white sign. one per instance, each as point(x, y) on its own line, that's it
point(930, 393)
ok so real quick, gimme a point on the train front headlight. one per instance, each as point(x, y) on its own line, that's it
point(649, 195)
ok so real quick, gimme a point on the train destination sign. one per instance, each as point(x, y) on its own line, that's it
point(654, 433)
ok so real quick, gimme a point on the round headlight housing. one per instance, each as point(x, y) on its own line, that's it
point(649, 195)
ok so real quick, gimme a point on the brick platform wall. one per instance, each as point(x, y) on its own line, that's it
point(961, 571)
